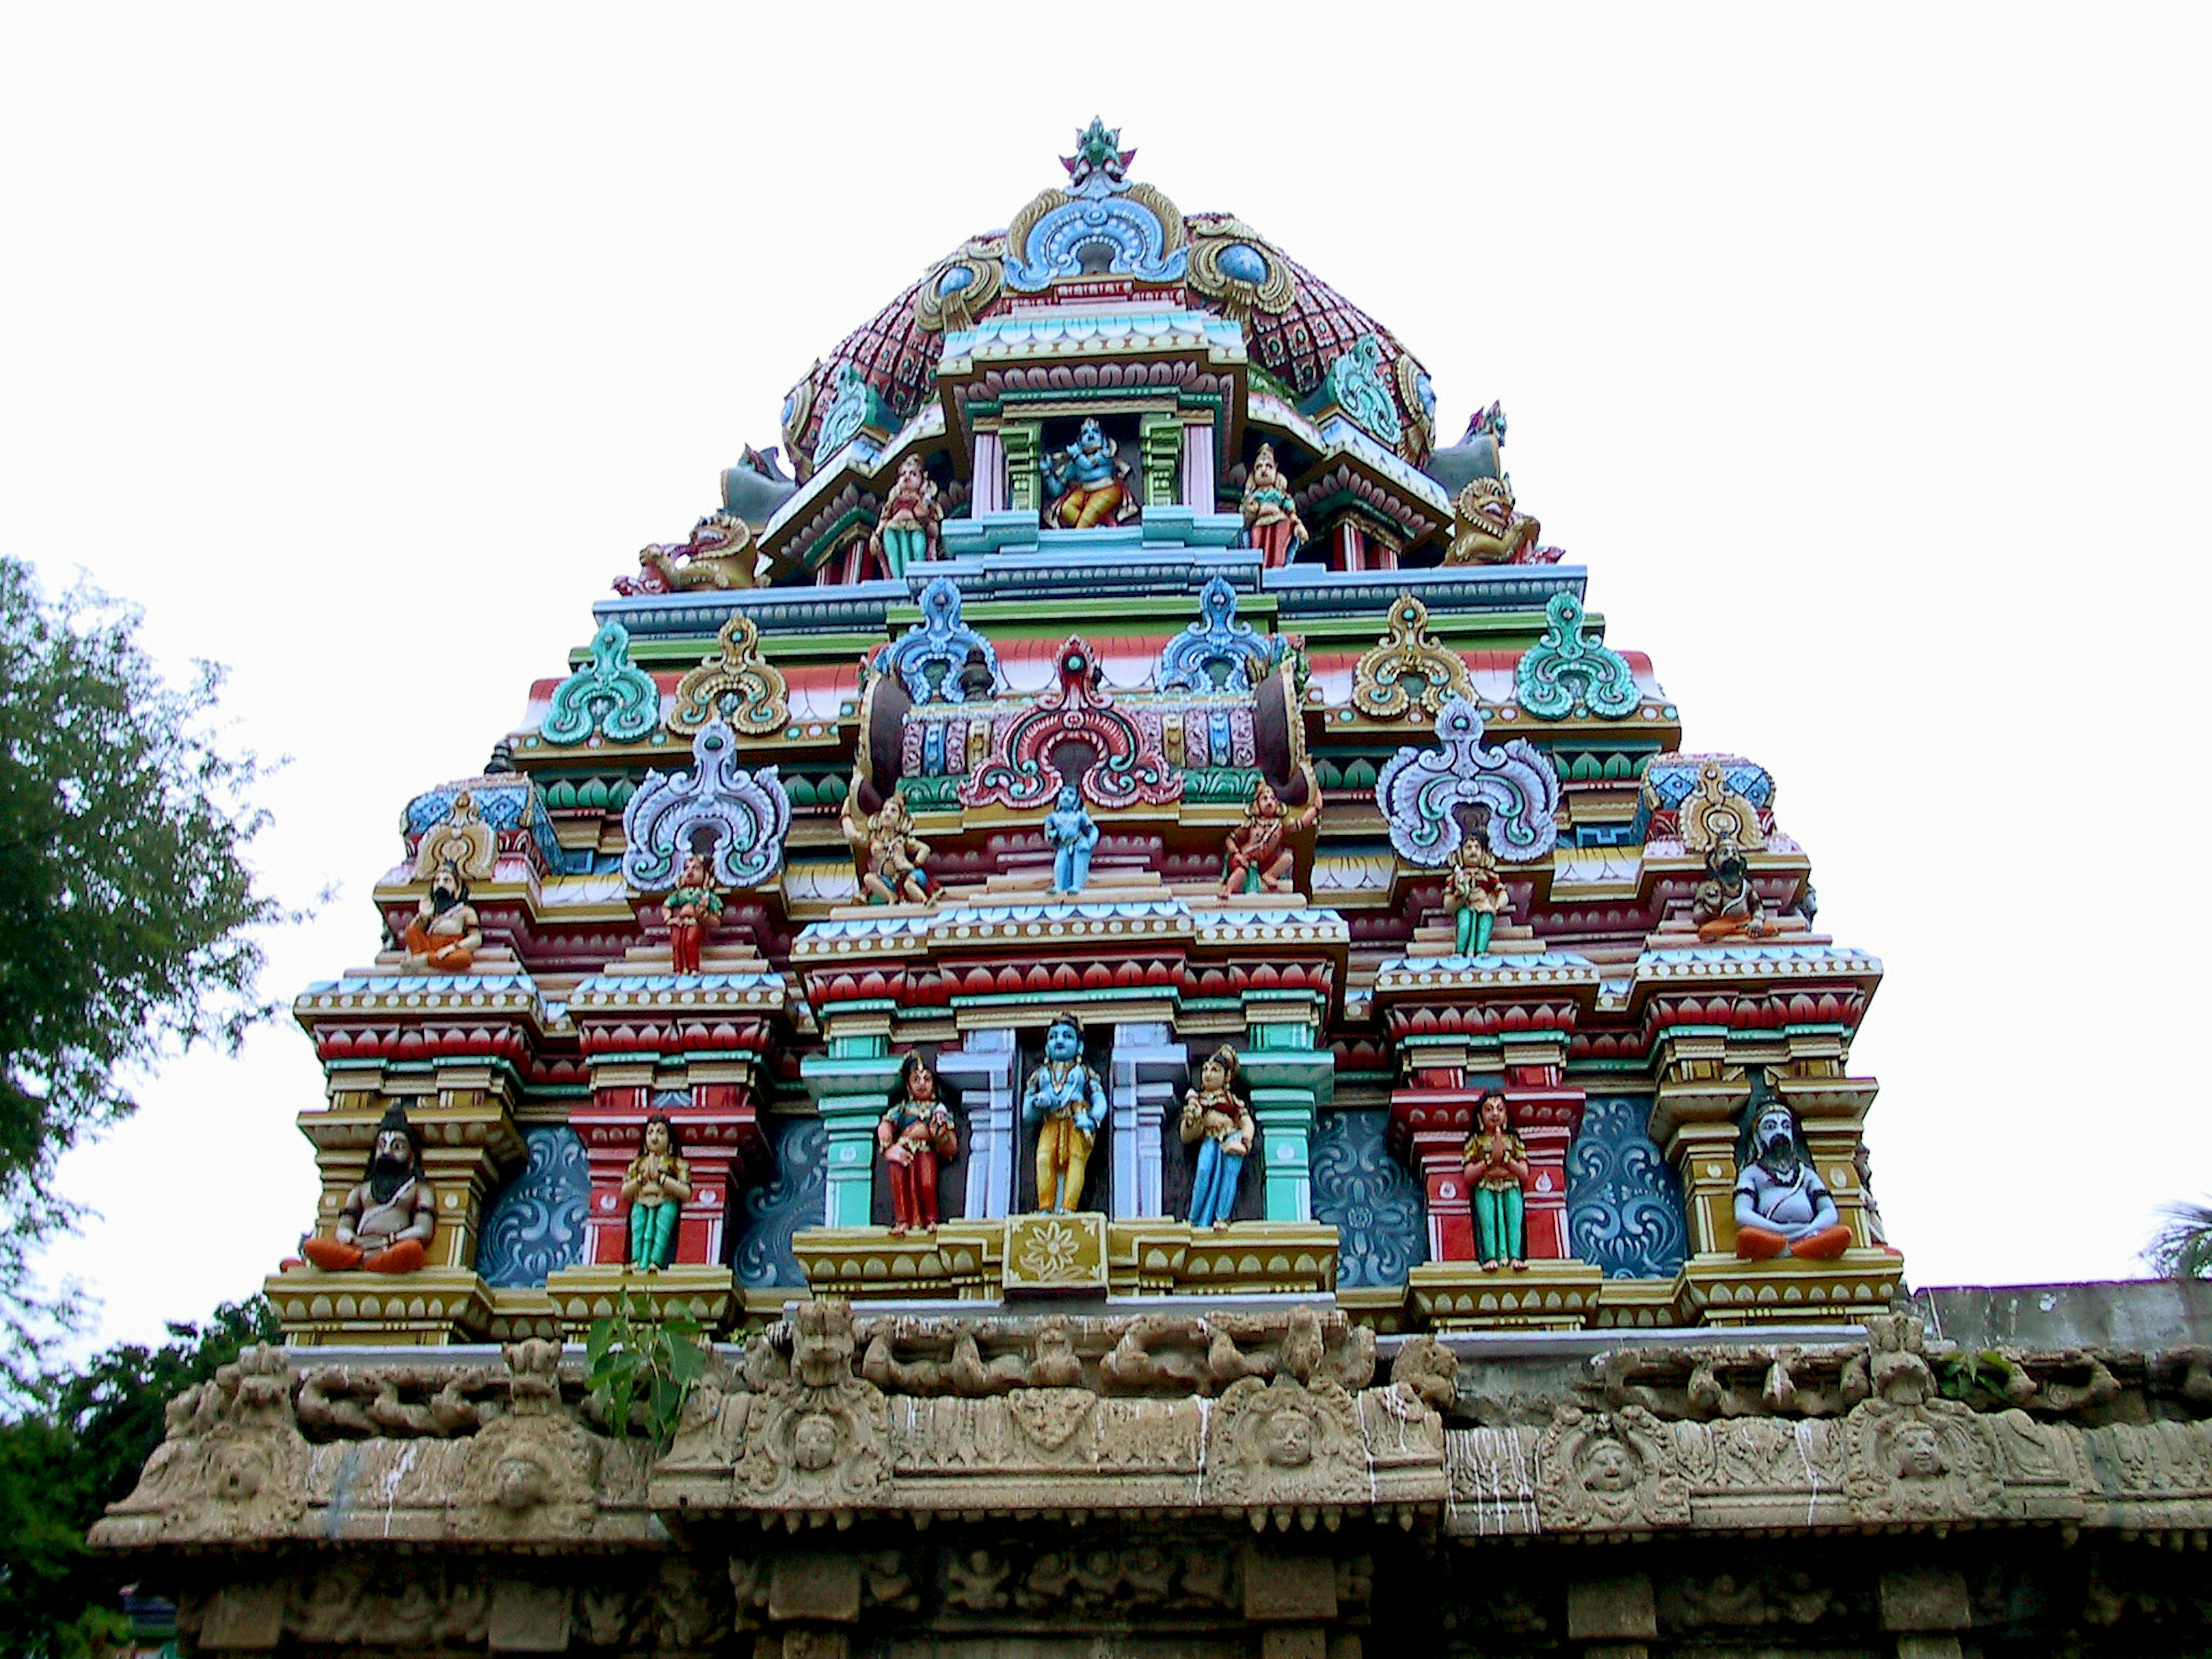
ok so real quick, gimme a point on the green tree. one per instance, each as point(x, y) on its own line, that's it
point(74, 1449)
point(125, 900)
point(2182, 1247)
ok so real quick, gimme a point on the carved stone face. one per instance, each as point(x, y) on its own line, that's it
point(1063, 1041)
point(814, 1442)
point(521, 1482)
point(1289, 1441)
point(240, 1471)
point(1611, 1468)
point(1919, 1453)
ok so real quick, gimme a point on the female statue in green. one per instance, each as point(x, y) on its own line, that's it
point(655, 1186)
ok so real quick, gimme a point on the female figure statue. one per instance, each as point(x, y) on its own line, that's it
point(914, 1132)
point(1271, 517)
point(655, 1186)
point(907, 531)
point(1215, 1118)
point(1496, 1165)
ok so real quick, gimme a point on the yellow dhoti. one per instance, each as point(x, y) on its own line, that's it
point(1085, 505)
point(1063, 1154)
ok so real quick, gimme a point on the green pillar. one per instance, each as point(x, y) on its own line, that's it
point(850, 1085)
point(1022, 479)
point(1162, 446)
point(1291, 1080)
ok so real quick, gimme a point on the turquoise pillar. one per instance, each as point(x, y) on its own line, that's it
point(850, 1085)
point(1291, 1080)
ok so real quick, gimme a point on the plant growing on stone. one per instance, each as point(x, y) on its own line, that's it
point(642, 1367)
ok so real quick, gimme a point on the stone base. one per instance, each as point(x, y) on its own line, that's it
point(1157, 1257)
point(580, 1295)
point(1726, 1290)
point(1546, 1296)
point(961, 1258)
point(427, 1308)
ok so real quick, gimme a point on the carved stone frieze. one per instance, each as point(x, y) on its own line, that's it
point(1609, 1471)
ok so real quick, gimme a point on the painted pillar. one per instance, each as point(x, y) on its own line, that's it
point(1199, 490)
point(621, 1099)
point(851, 1084)
point(1163, 463)
point(990, 461)
point(470, 1143)
point(1291, 1078)
point(1545, 1113)
point(1694, 1110)
point(1143, 1071)
point(1349, 552)
point(1024, 486)
point(982, 1069)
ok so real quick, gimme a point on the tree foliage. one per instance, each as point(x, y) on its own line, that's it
point(125, 899)
point(76, 1448)
point(2182, 1247)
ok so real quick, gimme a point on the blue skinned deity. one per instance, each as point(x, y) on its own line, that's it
point(1071, 834)
point(1067, 1102)
point(1084, 480)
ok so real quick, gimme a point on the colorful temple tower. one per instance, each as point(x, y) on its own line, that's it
point(1214, 1075)
point(1122, 647)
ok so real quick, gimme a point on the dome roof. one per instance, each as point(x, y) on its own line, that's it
point(1295, 324)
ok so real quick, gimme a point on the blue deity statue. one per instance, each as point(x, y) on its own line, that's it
point(1085, 481)
point(1067, 1102)
point(1071, 834)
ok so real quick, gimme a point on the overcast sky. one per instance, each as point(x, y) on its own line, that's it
point(1861, 357)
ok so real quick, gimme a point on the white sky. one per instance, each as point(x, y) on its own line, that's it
point(1861, 356)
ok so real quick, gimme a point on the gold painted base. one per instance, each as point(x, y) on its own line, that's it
point(1544, 1295)
point(1161, 1257)
point(1726, 1290)
point(1037, 1254)
point(960, 1259)
point(428, 1309)
point(697, 1293)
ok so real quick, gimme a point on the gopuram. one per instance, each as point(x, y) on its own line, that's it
point(1100, 1020)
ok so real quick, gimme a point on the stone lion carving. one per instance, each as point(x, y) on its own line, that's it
point(1600, 1471)
point(721, 554)
point(819, 1437)
point(1428, 1371)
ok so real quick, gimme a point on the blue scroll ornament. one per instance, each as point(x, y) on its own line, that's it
point(1565, 671)
point(939, 641)
point(1624, 1210)
point(609, 694)
point(1216, 653)
point(748, 812)
point(536, 1224)
point(1421, 790)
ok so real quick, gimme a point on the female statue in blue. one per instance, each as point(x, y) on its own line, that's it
point(1215, 1118)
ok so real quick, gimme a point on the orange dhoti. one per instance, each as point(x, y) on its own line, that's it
point(1762, 1244)
point(447, 955)
point(1085, 505)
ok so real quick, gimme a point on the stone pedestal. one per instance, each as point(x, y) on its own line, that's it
point(695, 1290)
point(1550, 1296)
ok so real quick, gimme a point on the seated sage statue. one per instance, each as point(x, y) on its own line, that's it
point(386, 1224)
point(1780, 1202)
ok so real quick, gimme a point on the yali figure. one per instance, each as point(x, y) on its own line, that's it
point(1067, 1102)
point(445, 936)
point(1475, 894)
point(1085, 481)
point(1781, 1203)
point(1495, 1162)
point(1271, 517)
point(914, 1134)
point(1725, 904)
point(1259, 855)
point(656, 1186)
point(692, 907)
point(1071, 834)
point(906, 532)
point(386, 1223)
point(1216, 1119)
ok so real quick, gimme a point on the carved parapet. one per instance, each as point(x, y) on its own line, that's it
point(1723, 1289)
point(960, 1259)
point(1167, 1257)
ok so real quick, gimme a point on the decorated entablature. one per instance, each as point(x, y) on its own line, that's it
point(1126, 814)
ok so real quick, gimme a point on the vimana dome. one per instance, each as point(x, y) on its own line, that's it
point(1099, 1019)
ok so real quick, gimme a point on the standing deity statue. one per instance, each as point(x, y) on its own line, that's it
point(914, 1134)
point(1216, 1119)
point(692, 907)
point(445, 936)
point(887, 851)
point(1725, 904)
point(1085, 481)
point(1495, 1162)
point(1781, 1203)
point(1067, 1102)
point(1475, 894)
point(907, 531)
point(1271, 517)
point(655, 1186)
point(386, 1222)
point(1258, 852)
point(1071, 834)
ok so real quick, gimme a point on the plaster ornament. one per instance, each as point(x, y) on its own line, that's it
point(747, 814)
point(1101, 225)
point(820, 1438)
point(886, 852)
point(1488, 529)
point(1607, 1471)
point(913, 1134)
point(905, 532)
point(737, 686)
point(853, 404)
point(931, 659)
point(962, 286)
point(464, 840)
point(1428, 1371)
point(1568, 672)
point(232, 1467)
point(386, 1223)
point(1271, 523)
point(654, 1189)
point(719, 556)
point(1713, 815)
point(1216, 653)
point(1129, 766)
point(1355, 383)
point(530, 1476)
point(1421, 791)
point(444, 933)
point(1417, 396)
point(1407, 669)
point(606, 697)
point(1231, 263)
point(1218, 1120)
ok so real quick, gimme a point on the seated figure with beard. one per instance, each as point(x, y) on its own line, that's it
point(444, 937)
point(1781, 1203)
point(386, 1225)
